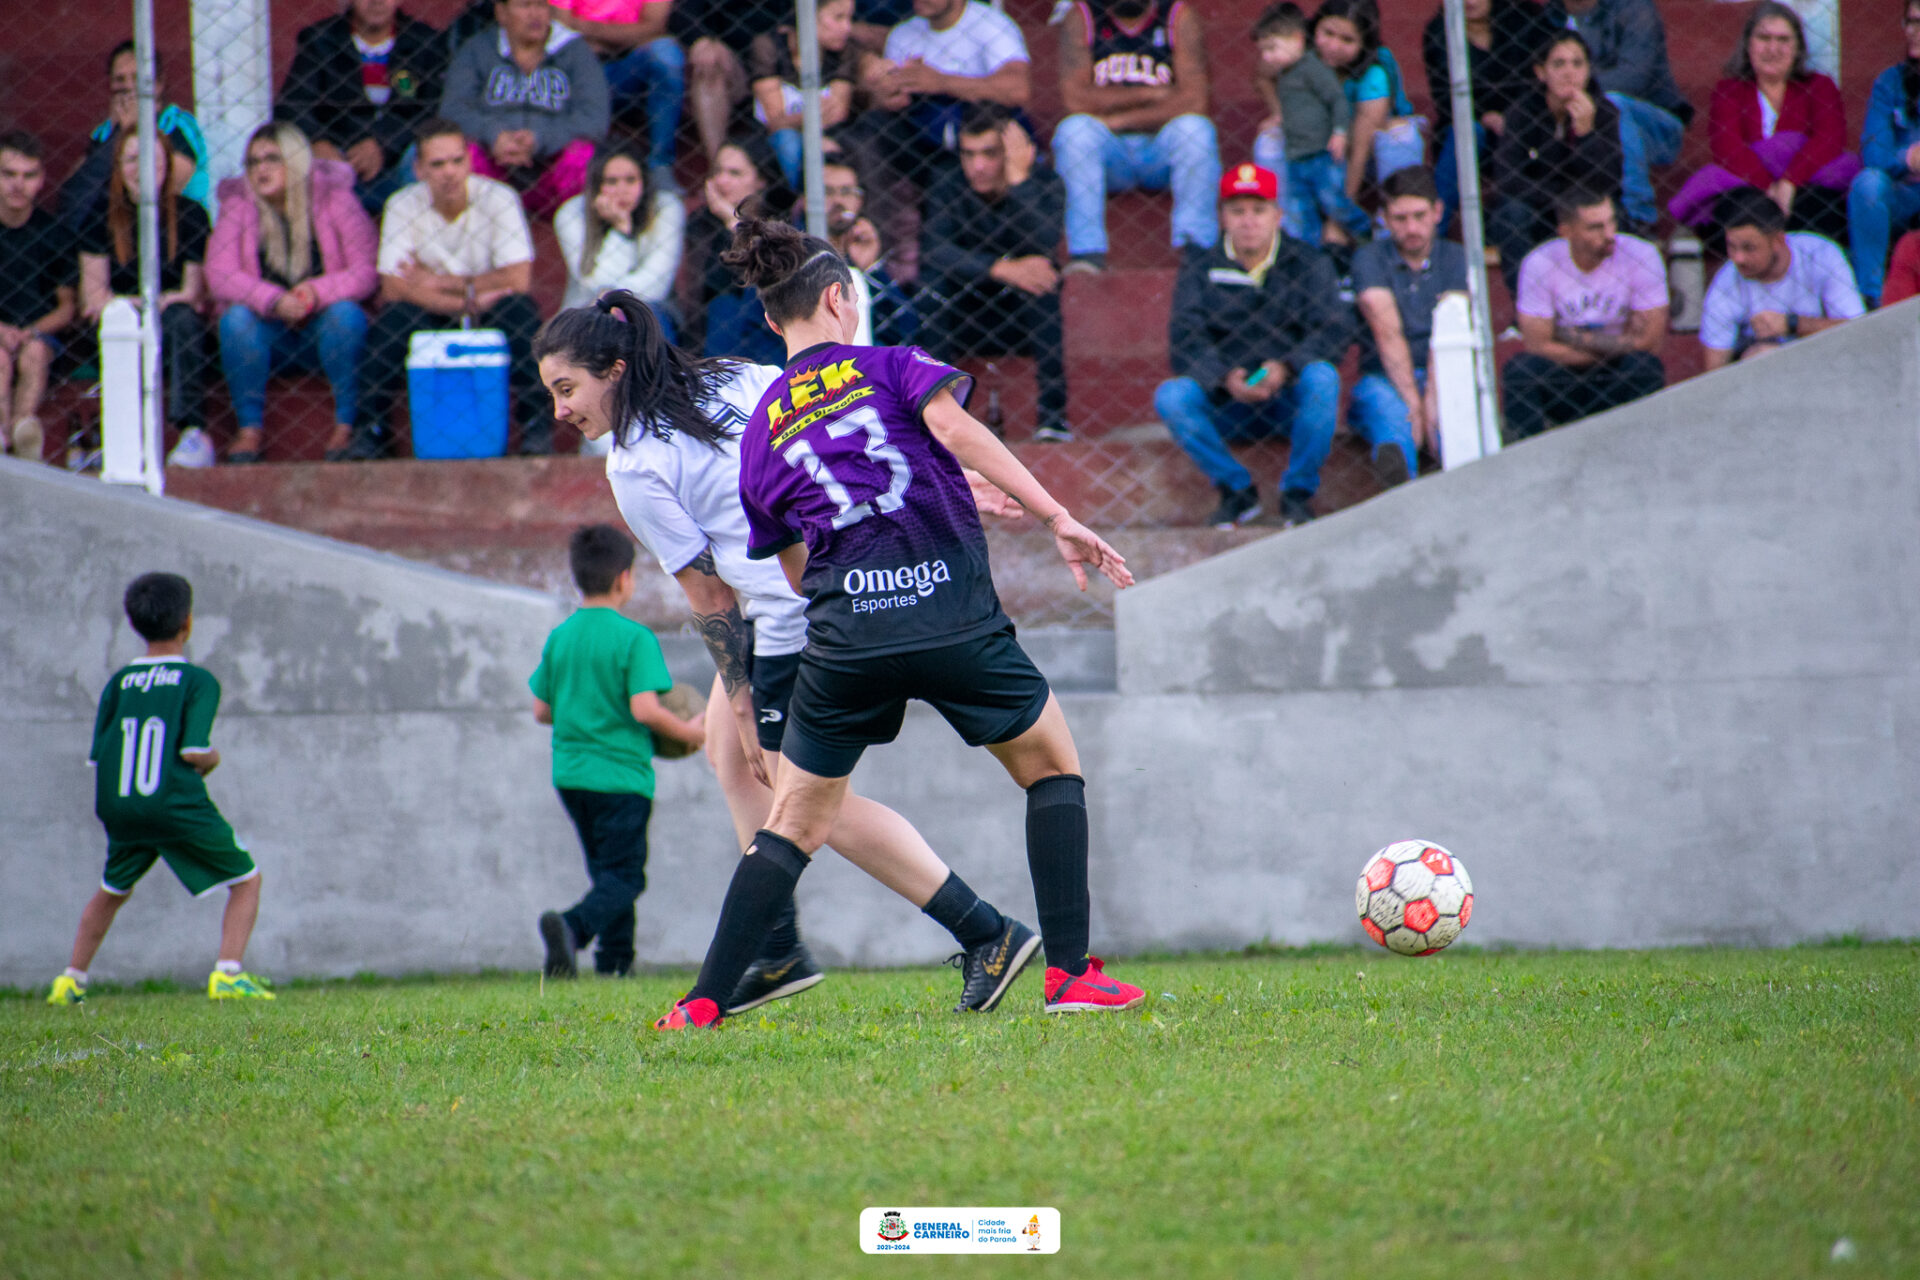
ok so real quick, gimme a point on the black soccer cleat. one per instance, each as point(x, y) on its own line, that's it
point(559, 939)
point(990, 968)
point(768, 980)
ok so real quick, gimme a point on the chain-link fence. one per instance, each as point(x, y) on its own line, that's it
point(1191, 254)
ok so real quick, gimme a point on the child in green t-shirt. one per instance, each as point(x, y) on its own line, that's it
point(599, 684)
point(152, 749)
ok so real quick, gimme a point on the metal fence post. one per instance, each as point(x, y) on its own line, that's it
point(1473, 231)
point(812, 182)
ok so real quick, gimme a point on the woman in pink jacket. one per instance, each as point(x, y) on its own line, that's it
point(291, 259)
point(1773, 125)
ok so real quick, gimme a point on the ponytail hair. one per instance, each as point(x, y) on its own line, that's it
point(662, 390)
point(791, 269)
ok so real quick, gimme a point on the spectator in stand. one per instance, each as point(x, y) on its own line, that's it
point(887, 318)
point(949, 53)
point(1304, 137)
point(618, 235)
point(453, 245)
point(642, 65)
point(359, 83)
point(1593, 313)
point(36, 293)
point(291, 259)
point(1561, 137)
point(1886, 194)
point(532, 98)
point(773, 65)
point(110, 268)
point(1775, 287)
point(84, 194)
point(1504, 39)
point(746, 178)
point(717, 35)
point(988, 257)
point(1385, 134)
point(1256, 328)
point(1627, 44)
point(1397, 284)
point(1903, 275)
point(1133, 76)
point(1775, 126)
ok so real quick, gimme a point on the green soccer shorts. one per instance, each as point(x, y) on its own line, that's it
point(205, 860)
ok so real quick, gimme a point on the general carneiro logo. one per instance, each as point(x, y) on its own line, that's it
point(972, 1229)
point(892, 1226)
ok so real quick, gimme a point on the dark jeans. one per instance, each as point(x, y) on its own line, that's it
point(183, 353)
point(383, 366)
point(1516, 229)
point(1538, 393)
point(986, 318)
point(737, 326)
point(613, 835)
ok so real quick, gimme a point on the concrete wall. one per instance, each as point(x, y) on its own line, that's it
point(1656, 678)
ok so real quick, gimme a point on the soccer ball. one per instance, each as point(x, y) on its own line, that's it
point(1414, 898)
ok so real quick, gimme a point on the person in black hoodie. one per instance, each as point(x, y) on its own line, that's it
point(988, 256)
point(1564, 136)
point(1503, 38)
point(1256, 328)
point(358, 85)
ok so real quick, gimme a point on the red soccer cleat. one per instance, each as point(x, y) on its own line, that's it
point(1090, 992)
point(689, 1013)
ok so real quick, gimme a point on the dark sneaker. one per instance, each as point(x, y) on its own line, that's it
point(1053, 433)
point(1296, 508)
point(559, 939)
point(1237, 506)
point(1091, 264)
point(366, 445)
point(768, 980)
point(990, 968)
point(1390, 466)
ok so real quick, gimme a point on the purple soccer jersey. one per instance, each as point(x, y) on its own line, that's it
point(838, 456)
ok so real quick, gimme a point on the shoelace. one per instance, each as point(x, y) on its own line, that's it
point(958, 960)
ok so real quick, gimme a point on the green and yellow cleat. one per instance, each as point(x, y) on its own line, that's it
point(237, 986)
point(67, 991)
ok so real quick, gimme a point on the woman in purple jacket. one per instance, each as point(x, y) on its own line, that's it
point(291, 260)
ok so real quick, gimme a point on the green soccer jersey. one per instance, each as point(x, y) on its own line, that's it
point(151, 711)
point(592, 665)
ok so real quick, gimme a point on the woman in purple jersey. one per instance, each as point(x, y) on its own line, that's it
point(675, 474)
point(851, 472)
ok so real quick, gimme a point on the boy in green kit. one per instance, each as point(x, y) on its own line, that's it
point(152, 749)
point(599, 684)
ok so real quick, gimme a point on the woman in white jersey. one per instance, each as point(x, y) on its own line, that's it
point(675, 473)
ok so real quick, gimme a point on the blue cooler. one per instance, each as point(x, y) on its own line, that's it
point(457, 393)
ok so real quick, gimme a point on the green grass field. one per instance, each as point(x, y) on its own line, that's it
point(1679, 1113)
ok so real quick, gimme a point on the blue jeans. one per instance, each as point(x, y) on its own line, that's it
point(1379, 416)
point(657, 74)
point(1317, 187)
point(790, 150)
point(1306, 411)
point(613, 836)
point(1446, 168)
point(1877, 204)
point(1649, 136)
point(1093, 160)
point(252, 346)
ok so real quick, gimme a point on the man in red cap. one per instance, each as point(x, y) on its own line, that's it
point(1257, 328)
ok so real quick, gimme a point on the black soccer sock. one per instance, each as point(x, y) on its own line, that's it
point(783, 939)
point(762, 884)
point(970, 918)
point(1057, 861)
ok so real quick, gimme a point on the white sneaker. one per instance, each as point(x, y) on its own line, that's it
point(195, 449)
point(27, 439)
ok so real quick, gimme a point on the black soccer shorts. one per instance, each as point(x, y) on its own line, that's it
point(771, 680)
point(988, 689)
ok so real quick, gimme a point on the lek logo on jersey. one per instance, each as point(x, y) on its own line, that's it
point(809, 387)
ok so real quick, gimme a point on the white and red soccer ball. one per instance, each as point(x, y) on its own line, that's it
point(1414, 898)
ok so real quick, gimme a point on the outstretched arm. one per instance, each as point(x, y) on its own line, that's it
point(979, 449)
point(723, 628)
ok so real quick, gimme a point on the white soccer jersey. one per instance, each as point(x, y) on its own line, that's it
point(680, 497)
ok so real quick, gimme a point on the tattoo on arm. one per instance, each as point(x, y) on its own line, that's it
point(728, 640)
point(704, 563)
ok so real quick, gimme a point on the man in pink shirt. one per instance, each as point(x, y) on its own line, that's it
point(1593, 313)
point(643, 65)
